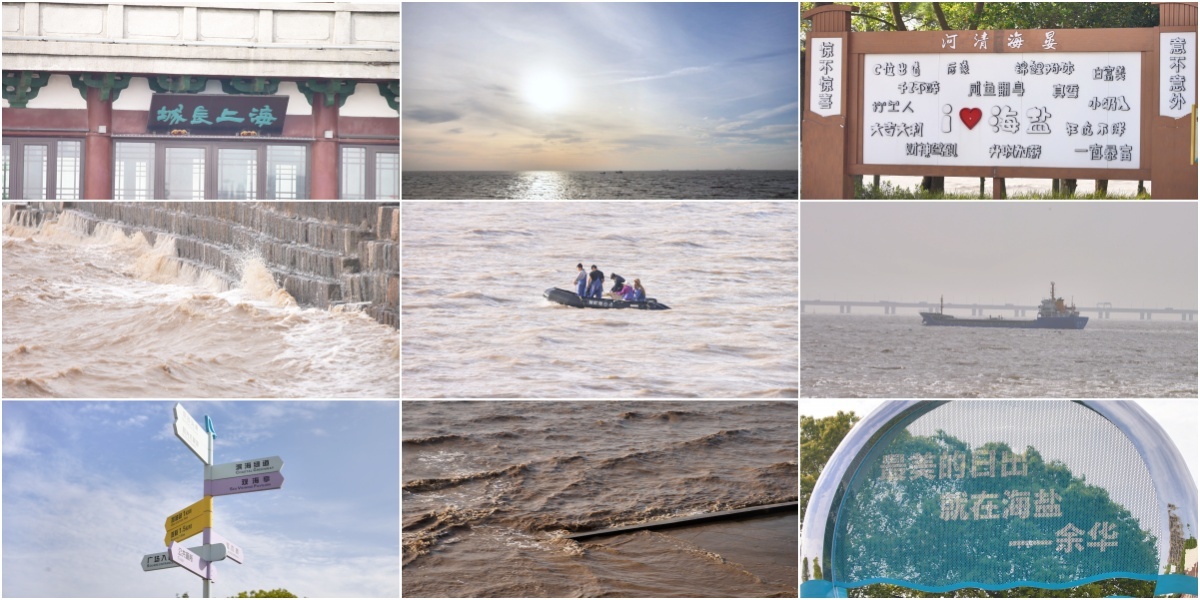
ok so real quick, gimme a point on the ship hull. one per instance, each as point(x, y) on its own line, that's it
point(938, 319)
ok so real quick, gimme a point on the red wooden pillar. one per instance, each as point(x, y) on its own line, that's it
point(823, 167)
point(97, 171)
point(1173, 173)
point(325, 150)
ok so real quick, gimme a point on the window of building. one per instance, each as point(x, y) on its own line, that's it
point(42, 168)
point(199, 169)
point(185, 174)
point(70, 167)
point(370, 172)
point(6, 171)
point(287, 172)
point(237, 174)
point(133, 171)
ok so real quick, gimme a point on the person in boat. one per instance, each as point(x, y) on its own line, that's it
point(581, 281)
point(639, 292)
point(595, 283)
point(620, 289)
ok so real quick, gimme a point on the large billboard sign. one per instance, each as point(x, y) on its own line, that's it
point(1069, 109)
point(941, 496)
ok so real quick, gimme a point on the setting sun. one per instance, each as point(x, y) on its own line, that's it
point(547, 90)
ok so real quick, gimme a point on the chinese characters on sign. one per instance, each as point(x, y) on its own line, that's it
point(1046, 109)
point(1176, 69)
point(212, 113)
point(1010, 504)
point(825, 90)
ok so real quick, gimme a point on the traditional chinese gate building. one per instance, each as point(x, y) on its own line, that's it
point(218, 100)
point(1035, 103)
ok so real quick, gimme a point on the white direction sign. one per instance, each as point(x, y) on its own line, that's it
point(192, 434)
point(1010, 109)
point(162, 560)
point(231, 550)
point(256, 466)
point(192, 561)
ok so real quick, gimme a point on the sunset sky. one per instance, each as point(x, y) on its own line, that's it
point(575, 86)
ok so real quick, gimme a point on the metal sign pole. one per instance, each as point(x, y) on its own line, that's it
point(212, 442)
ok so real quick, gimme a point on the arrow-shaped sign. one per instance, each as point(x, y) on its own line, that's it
point(182, 531)
point(162, 560)
point(192, 434)
point(240, 468)
point(241, 485)
point(192, 561)
point(200, 506)
point(233, 551)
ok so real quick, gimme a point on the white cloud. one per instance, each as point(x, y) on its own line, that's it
point(16, 439)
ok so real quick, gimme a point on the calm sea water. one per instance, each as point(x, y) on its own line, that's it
point(897, 357)
point(475, 323)
point(566, 185)
point(490, 487)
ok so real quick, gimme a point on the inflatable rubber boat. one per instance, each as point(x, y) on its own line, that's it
point(562, 296)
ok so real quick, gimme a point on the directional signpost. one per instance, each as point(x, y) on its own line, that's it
point(193, 435)
point(211, 553)
point(255, 475)
point(241, 485)
point(191, 561)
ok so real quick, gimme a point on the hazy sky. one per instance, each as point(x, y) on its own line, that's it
point(88, 486)
point(1133, 254)
point(1176, 417)
point(600, 86)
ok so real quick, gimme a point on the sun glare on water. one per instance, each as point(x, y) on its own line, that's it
point(547, 91)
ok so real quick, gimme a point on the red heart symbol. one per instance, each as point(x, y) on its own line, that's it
point(970, 116)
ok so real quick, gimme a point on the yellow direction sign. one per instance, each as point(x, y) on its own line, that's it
point(189, 521)
point(202, 505)
point(187, 529)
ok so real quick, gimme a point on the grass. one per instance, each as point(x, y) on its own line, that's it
point(887, 191)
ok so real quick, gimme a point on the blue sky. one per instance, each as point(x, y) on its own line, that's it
point(88, 485)
point(582, 86)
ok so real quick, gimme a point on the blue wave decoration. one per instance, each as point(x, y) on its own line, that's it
point(1164, 584)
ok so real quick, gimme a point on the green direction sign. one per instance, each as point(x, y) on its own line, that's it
point(217, 114)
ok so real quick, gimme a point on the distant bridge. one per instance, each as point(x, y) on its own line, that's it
point(1103, 310)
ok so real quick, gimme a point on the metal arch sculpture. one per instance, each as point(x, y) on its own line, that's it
point(941, 495)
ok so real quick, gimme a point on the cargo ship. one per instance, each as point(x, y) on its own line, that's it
point(1053, 314)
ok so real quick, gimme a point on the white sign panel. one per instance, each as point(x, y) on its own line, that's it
point(825, 88)
point(269, 464)
point(1061, 109)
point(191, 433)
point(1176, 74)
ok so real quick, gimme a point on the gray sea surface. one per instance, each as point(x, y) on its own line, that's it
point(491, 487)
point(595, 185)
point(875, 356)
point(475, 323)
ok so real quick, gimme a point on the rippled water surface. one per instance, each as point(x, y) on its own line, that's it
point(110, 316)
point(489, 488)
point(556, 185)
point(475, 323)
point(897, 357)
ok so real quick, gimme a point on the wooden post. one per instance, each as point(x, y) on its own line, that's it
point(823, 168)
point(1173, 174)
point(998, 190)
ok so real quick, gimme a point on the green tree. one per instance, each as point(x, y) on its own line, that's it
point(804, 570)
point(818, 439)
point(276, 593)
